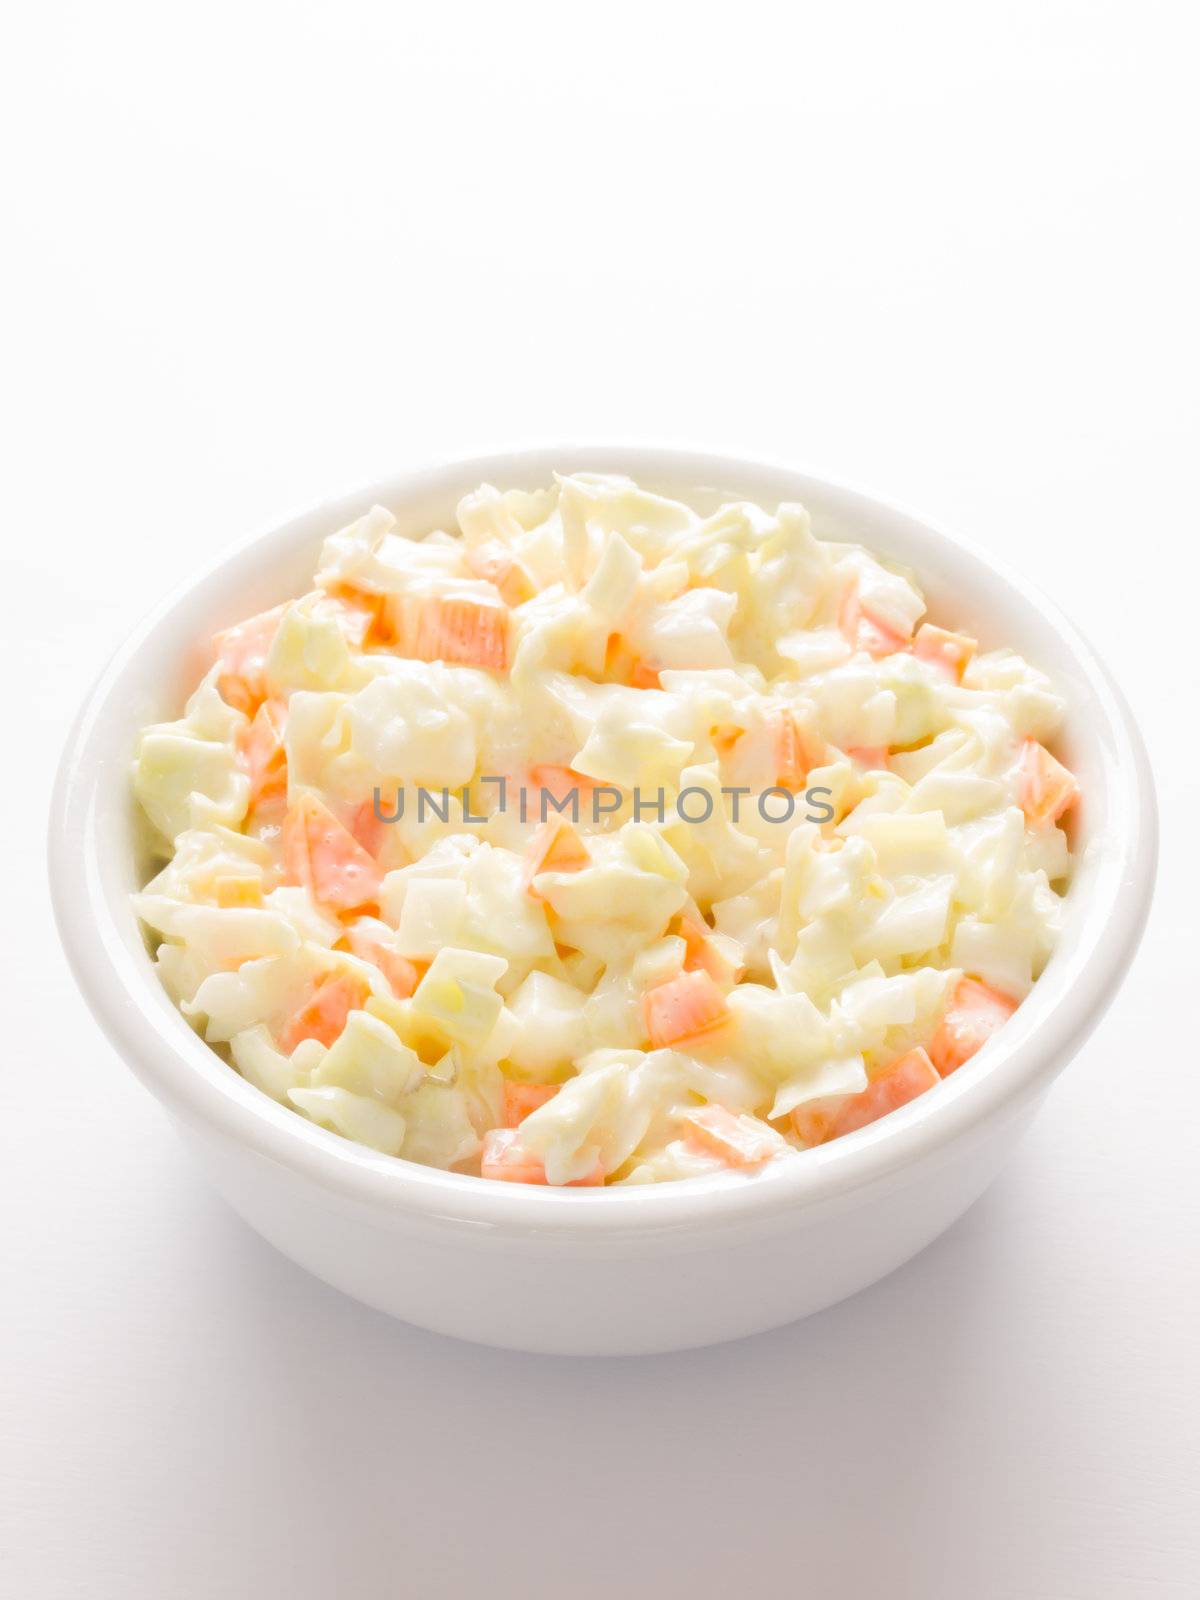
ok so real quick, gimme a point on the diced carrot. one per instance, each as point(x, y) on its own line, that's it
point(618, 657)
point(813, 1121)
point(817, 1121)
point(555, 847)
point(494, 562)
point(948, 652)
point(261, 750)
point(683, 1008)
point(369, 829)
point(876, 637)
point(402, 975)
point(323, 1015)
point(974, 1013)
point(236, 693)
point(1045, 789)
point(622, 663)
point(505, 1159)
point(356, 613)
point(560, 782)
point(899, 1082)
point(797, 751)
point(323, 856)
point(242, 652)
point(702, 955)
point(522, 1098)
point(869, 755)
point(472, 633)
point(737, 1140)
point(238, 889)
point(862, 630)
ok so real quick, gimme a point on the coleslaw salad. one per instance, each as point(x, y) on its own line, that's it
point(652, 991)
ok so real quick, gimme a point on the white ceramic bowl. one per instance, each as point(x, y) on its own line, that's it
point(600, 1271)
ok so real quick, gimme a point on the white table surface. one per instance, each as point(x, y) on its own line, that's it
point(261, 252)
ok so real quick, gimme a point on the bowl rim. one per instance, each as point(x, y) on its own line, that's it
point(159, 1045)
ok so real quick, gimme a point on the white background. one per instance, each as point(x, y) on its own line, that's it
point(946, 252)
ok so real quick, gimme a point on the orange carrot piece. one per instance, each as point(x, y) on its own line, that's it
point(797, 751)
point(643, 676)
point(738, 1141)
point(702, 955)
point(506, 1159)
point(555, 847)
point(862, 630)
point(902, 1080)
point(683, 1008)
point(370, 830)
point(401, 973)
point(494, 562)
point(1045, 789)
point(522, 1098)
point(813, 1121)
point(356, 613)
point(324, 857)
point(948, 652)
point(472, 633)
point(323, 1015)
point(869, 755)
point(242, 652)
point(974, 1013)
point(817, 1121)
point(560, 782)
point(261, 752)
point(624, 665)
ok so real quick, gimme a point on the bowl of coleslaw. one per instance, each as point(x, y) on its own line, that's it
point(423, 903)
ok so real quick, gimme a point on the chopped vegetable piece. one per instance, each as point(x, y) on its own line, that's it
point(703, 955)
point(974, 1013)
point(504, 1158)
point(402, 975)
point(813, 1121)
point(948, 652)
point(642, 675)
point(864, 631)
point(237, 889)
point(555, 847)
point(1045, 789)
point(869, 755)
point(370, 829)
point(356, 614)
point(737, 1140)
point(899, 1082)
point(683, 1008)
point(471, 633)
point(260, 747)
point(797, 752)
point(323, 1015)
point(242, 652)
point(325, 858)
point(494, 562)
point(559, 783)
point(522, 1098)
point(725, 737)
